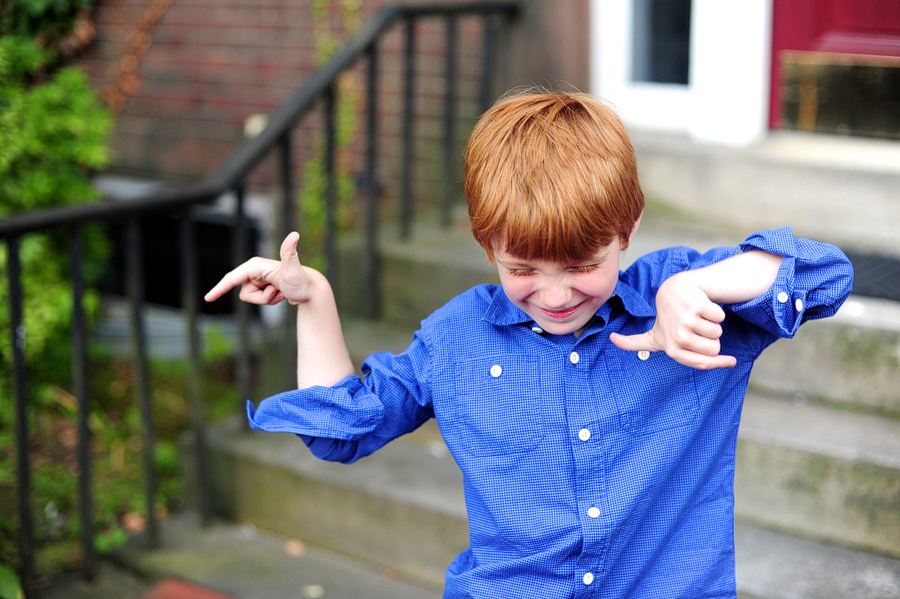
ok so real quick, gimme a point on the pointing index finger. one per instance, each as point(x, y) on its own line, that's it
point(642, 342)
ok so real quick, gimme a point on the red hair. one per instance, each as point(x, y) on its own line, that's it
point(551, 176)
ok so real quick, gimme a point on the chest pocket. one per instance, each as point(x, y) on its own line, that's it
point(654, 394)
point(497, 406)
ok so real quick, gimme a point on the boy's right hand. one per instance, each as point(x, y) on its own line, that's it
point(267, 282)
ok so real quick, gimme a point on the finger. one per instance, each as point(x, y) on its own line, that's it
point(694, 343)
point(707, 329)
point(642, 342)
point(702, 361)
point(288, 251)
point(264, 295)
point(226, 284)
point(712, 312)
point(254, 271)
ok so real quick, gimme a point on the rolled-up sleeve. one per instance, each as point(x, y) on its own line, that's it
point(813, 281)
point(358, 415)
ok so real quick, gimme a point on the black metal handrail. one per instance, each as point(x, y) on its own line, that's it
point(181, 201)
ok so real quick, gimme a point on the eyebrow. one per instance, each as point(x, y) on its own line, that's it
point(515, 262)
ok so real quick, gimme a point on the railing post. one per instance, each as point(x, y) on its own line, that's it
point(371, 262)
point(134, 261)
point(406, 194)
point(242, 309)
point(288, 223)
point(449, 123)
point(331, 187)
point(198, 409)
point(81, 389)
point(17, 331)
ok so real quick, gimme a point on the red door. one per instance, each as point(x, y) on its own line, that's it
point(856, 27)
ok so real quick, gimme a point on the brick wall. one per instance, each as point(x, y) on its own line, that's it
point(193, 71)
point(205, 66)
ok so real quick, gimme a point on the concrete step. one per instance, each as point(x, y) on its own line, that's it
point(820, 472)
point(839, 189)
point(851, 359)
point(402, 508)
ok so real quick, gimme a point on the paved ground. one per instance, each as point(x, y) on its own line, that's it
point(240, 562)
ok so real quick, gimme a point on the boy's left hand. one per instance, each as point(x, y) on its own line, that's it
point(687, 326)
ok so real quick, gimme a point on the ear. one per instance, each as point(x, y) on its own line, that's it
point(633, 231)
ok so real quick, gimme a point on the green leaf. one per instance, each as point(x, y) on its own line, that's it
point(9, 584)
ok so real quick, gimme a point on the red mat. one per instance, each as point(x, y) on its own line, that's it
point(171, 588)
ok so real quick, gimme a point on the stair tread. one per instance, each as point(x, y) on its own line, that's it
point(821, 430)
point(778, 566)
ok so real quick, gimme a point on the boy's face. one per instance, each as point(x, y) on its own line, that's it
point(560, 297)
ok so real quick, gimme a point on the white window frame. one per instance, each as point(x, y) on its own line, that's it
point(726, 99)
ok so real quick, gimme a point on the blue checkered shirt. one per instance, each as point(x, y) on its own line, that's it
point(589, 471)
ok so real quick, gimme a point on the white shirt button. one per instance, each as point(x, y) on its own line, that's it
point(537, 330)
point(782, 297)
point(799, 305)
point(573, 357)
point(594, 512)
point(496, 370)
point(584, 434)
point(644, 354)
point(588, 578)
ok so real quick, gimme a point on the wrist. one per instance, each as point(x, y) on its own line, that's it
point(318, 291)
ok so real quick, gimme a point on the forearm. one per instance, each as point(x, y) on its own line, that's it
point(738, 279)
point(322, 356)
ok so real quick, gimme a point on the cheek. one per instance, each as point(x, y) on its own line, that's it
point(516, 289)
point(602, 285)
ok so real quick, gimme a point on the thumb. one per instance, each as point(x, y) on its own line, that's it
point(288, 251)
point(644, 341)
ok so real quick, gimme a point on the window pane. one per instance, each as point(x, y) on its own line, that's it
point(662, 41)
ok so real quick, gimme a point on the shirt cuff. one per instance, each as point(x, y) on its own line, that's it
point(346, 411)
point(780, 309)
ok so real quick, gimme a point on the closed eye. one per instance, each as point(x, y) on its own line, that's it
point(520, 272)
point(584, 268)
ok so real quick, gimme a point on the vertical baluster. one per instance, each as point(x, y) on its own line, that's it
point(80, 386)
point(371, 262)
point(331, 186)
point(288, 223)
point(17, 331)
point(198, 411)
point(406, 197)
point(449, 123)
point(489, 22)
point(134, 257)
point(242, 309)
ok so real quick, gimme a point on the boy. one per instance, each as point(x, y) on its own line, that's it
point(594, 413)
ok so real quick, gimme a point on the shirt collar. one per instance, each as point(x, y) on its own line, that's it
point(503, 312)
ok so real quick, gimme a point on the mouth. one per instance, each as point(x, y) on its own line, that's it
point(561, 314)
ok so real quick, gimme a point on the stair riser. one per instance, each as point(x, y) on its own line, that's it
point(834, 361)
point(844, 206)
point(817, 496)
point(417, 542)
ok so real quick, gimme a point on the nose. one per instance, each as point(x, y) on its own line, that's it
point(556, 295)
